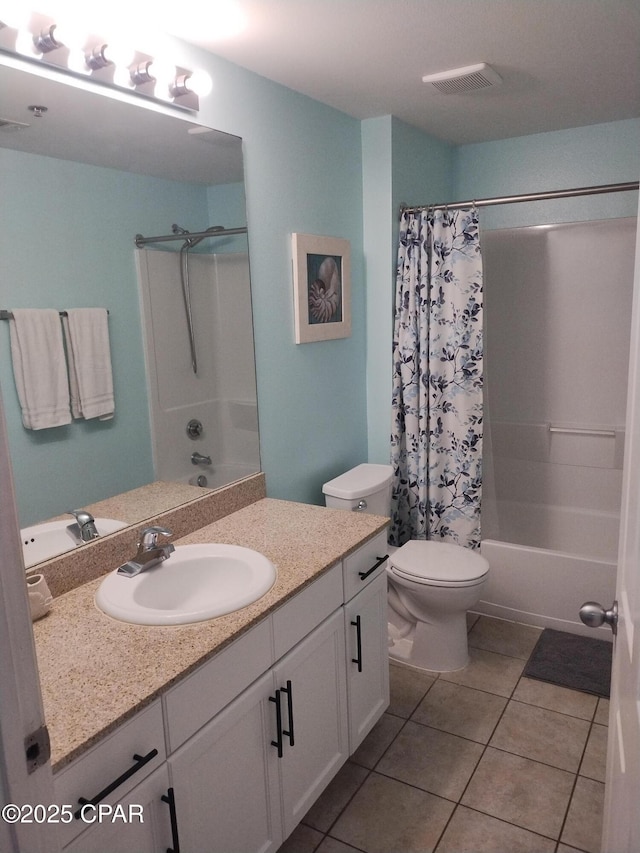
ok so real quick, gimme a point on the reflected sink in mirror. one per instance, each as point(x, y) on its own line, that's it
point(43, 541)
point(195, 583)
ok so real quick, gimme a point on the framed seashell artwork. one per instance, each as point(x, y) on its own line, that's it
point(321, 287)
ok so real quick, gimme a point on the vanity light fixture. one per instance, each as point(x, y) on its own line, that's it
point(38, 38)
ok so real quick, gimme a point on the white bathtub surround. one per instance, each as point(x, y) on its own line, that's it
point(534, 586)
point(557, 349)
point(222, 395)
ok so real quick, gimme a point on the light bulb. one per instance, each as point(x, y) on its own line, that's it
point(119, 53)
point(163, 73)
point(200, 83)
point(77, 61)
point(16, 18)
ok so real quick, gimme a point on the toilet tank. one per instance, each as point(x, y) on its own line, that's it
point(365, 488)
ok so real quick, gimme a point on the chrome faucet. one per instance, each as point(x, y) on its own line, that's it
point(149, 552)
point(199, 459)
point(85, 527)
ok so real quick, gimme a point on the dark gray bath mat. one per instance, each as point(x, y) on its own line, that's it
point(580, 663)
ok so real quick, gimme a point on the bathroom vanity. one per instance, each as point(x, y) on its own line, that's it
point(222, 733)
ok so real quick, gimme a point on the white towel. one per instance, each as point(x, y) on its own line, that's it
point(39, 367)
point(89, 358)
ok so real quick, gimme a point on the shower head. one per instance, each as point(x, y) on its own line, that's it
point(178, 229)
point(190, 242)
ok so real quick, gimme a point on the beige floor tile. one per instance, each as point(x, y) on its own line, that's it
point(432, 760)
point(407, 686)
point(602, 712)
point(594, 762)
point(488, 671)
point(303, 839)
point(460, 711)
point(531, 795)
point(507, 638)
point(542, 735)
point(563, 848)
point(472, 832)
point(386, 815)
point(335, 797)
point(376, 742)
point(555, 698)
point(583, 828)
point(332, 845)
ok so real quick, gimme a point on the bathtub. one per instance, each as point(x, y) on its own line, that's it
point(546, 562)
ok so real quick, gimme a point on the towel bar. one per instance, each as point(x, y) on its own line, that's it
point(602, 433)
point(7, 315)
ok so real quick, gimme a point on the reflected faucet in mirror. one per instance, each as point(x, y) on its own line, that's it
point(85, 527)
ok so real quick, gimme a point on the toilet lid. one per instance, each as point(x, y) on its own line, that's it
point(438, 562)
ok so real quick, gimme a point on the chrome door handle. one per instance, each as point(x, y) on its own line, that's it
point(594, 614)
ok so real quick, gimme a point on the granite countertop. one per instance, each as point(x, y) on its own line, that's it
point(96, 672)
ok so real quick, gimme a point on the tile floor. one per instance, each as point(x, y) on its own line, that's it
point(470, 761)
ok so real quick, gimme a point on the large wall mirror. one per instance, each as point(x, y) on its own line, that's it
point(81, 179)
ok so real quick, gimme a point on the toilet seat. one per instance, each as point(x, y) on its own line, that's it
point(438, 564)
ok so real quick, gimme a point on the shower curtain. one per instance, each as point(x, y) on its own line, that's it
point(436, 440)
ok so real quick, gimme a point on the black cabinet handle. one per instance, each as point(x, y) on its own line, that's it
point(278, 742)
point(289, 693)
point(358, 659)
point(171, 800)
point(140, 761)
point(380, 561)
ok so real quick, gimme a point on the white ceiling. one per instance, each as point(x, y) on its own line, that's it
point(564, 63)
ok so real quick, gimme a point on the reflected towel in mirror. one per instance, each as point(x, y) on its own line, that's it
point(89, 359)
point(39, 368)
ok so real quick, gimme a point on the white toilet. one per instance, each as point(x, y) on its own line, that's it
point(432, 584)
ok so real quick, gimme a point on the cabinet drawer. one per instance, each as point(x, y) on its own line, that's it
point(109, 761)
point(306, 610)
point(361, 562)
point(200, 696)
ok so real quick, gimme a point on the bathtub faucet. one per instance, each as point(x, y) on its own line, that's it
point(199, 459)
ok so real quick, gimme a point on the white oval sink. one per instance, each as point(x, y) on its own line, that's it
point(43, 541)
point(195, 583)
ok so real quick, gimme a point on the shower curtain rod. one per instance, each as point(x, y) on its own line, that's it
point(514, 199)
point(164, 238)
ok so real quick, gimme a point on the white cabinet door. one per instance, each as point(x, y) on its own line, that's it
point(367, 659)
point(314, 733)
point(225, 786)
point(140, 822)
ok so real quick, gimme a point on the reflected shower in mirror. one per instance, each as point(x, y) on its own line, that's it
point(80, 183)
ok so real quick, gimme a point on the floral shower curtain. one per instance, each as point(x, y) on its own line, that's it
point(436, 440)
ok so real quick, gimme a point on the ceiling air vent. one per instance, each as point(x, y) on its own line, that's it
point(462, 80)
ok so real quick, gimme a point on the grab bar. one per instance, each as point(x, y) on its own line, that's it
point(601, 433)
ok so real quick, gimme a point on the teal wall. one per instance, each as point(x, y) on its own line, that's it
point(67, 241)
point(580, 157)
point(324, 406)
point(303, 166)
point(303, 173)
point(417, 169)
point(400, 165)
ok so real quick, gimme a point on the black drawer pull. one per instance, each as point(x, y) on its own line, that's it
point(380, 561)
point(171, 800)
point(278, 742)
point(289, 693)
point(140, 761)
point(358, 659)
